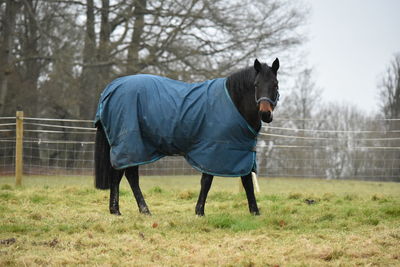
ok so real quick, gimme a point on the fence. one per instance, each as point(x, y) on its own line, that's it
point(368, 150)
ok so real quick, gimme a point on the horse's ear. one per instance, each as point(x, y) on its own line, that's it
point(275, 66)
point(257, 65)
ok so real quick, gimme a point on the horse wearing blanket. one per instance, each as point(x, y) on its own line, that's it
point(213, 124)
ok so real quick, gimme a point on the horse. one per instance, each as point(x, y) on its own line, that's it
point(190, 116)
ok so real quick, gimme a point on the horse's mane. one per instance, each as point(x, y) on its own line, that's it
point(241, 80)
point(240, 86)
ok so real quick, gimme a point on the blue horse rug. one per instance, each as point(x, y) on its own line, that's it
point(147, 117)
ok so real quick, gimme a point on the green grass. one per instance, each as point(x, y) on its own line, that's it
point(63, 220)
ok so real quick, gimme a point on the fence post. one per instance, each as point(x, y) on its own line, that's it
point(19, 147)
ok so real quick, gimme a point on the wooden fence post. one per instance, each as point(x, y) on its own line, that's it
point(19, 147)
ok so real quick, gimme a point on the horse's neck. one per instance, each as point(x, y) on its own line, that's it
point(240, 86)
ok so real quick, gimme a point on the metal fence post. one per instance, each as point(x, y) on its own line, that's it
point(19, 142)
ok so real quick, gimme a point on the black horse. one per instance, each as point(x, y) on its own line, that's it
point(254, 92)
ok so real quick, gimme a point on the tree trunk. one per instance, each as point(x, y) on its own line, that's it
point(102, 67)
point(89, 76)
point(104, 45)
point(133, 64)
point(32, 64)
point(6, 67)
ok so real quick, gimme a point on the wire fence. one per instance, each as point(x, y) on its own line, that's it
point(368, 150)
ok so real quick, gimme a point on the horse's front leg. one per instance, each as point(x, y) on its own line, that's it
point(251, 198)
point(132, 174)
point(116, 177)
point(206, 181)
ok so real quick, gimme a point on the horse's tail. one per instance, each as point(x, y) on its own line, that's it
point(102, 164)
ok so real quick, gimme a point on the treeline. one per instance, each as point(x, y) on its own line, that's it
point(314, 138)
point(56, 56)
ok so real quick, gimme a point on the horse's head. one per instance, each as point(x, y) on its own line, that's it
point(266, 89)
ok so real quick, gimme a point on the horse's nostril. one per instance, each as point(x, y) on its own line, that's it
point(266, 116)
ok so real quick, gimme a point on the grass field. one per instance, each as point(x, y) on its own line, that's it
point(64, 220)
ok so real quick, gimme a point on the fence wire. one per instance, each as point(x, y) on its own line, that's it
point(290, 148)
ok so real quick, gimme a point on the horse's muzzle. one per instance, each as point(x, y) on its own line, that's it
point(265, 111)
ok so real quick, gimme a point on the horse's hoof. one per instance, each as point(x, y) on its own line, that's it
point(255, 213)
point(115, 212)
point(199, 213)
point(145, 212)
point(199, 210)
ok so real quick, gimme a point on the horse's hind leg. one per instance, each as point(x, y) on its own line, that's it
point(132, 174)
point(116, 176)
point(206, 181)
point(251, 198)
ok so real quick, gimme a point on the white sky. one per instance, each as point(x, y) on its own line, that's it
point(351, 44)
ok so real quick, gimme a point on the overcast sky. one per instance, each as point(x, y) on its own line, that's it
point(351, 44)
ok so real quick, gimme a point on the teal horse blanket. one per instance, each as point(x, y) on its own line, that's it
point(147, 117)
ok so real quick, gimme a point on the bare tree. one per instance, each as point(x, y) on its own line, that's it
point(389, 89)
point(33, 34)
point(301, 104)
point(304, 99)
point(79, 46)
point(341, 158)
point(188, 40)
point(197, 39)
